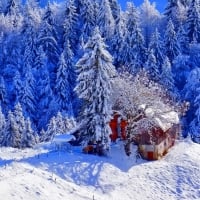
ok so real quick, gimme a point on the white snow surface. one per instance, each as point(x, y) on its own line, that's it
point(45, 174)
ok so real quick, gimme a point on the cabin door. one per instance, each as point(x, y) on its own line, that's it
point(150, 155)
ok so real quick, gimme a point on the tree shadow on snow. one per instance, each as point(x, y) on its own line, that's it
point(84, 169)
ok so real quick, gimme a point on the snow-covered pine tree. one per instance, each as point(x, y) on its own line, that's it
point(2, 128)
point(58, 124)
point(183, 40)
point(116, 10)
point(87, 18)
point(152, 67)
point(94, 85)
point(18, 87)
point(12, 7)
point(166, 76)
point(65, 84)
point(195, 124)
point(181, 70)
point(28, 95)
point(116, 42)
point(3, 94)
point(70, 25)
point(48, 40)
point(29, 138)
point(171, 44)
point(190, 92)
point(13, 11)
point(52, 130)
point(156, 45)
point(193, 22)
point(15, 127)
point(176, 12)
point(10, 128)
point(133, 52)
point(105, 20)
point(45, 101)
point(29, 37)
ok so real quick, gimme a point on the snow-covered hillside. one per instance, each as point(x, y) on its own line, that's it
point(44, 174)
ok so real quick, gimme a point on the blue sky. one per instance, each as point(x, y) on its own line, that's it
point(160, 4)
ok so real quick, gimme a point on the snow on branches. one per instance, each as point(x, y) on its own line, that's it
point(144, 102)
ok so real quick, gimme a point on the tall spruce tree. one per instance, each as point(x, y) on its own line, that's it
point(15, 127)
point(87, 18)
point(152, 67)
point(195, 124)
point(48, 39)
point(2, 128)
point(64, 86)
point(175, 11)
point(3, 94)
point(70, 25)
point(95, 71)
point(105, 20)
point(193, 21)
point(28, 95)
point(156, 45)
point(45, 107)
point(166, 76)
point(133, 53)
point(171, 44)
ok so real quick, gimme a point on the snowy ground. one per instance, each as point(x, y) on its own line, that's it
point(44, 174)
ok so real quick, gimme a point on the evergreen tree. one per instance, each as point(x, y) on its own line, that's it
point(115, 8)
point(181, 69)
point(195, 124)
point(2, 128)
point(193, 22)
point(70, 25)
point(3, 94)
point(12, 11)
point(175, 11)
point(15, 127)
point(183, 40)
point(166, 76)
point(116, 43)
point(45, 106)
point(152, 67)
point(133, 51)
point(63, 86)
point(52, 130)
point(191, 92)
point(171, 45)
point(87, 16)
point(28, 138)
point(18, 87)
point(28, 95)
point(48, 40)
point(94, 85)
point(156, 45)
point(105, 20)
point(29, 39)
point(12, 7)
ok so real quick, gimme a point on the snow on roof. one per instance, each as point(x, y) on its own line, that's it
point(164, 118)
point(63, 138)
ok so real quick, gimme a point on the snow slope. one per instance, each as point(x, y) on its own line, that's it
point(45, 174)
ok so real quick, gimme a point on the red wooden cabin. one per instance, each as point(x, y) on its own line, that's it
point(155, 143)
point(118, 126)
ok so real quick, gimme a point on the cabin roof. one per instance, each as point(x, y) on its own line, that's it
point(63, 138)
point(164, 117)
